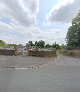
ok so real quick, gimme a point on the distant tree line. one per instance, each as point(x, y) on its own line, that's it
point(42, 44)
point(39, 44)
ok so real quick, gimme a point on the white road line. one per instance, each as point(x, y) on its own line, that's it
point(40, 66)
point(55, 60)
point(21, 68)
point(5, 58)
point(30, 67)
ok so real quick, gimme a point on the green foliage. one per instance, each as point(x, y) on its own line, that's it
point(31, 43)
point(73, 34)
point(11, 44)
point(62, 46)
point(65, 47)
point(48, 46)
point(56, 46)
point(40, 44)
point(2, 43)
point(68, 47)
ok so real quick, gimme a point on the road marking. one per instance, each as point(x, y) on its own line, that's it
point(29, 67)
point(5, 58)
point(21, 68)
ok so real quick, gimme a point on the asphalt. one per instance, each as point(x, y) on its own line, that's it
point(60, 75)
point(24, 62)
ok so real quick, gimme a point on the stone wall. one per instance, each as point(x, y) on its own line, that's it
point(42, 53)
point(7, 52)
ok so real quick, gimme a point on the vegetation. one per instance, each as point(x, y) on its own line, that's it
point(41, 44)
point(48, 46)
point(31, 43)
point(56, 46)
point(2, 43)
point(11, 44)
point(73, 34)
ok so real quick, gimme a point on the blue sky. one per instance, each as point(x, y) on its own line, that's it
point(45, 7)
point(46, 20)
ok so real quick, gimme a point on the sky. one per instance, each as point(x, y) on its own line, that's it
point(33, 20)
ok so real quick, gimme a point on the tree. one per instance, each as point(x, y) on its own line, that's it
point(36, 43)
point(11, 45)
point(47, 46)
point(2, 43)
point(40, 44)
point(56, 46)
point(31, 43)
point(73, 34)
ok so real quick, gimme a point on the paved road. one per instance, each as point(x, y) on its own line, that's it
point(24, 62)
point(63, 75)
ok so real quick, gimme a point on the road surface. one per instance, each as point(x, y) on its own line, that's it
point(62, 75)
point(24, 62)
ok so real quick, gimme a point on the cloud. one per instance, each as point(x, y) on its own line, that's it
point(6, 27)
point(23, 12)
point(21, 15)
point(64, 11)
point(8, 38)
point(25, 34)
